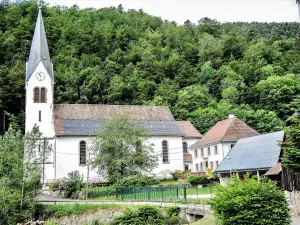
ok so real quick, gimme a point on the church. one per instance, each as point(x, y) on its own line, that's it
point(68, 127)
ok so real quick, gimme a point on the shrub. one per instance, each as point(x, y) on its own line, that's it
point(172, 210)
point(137, 180)
point(251, 201)
point(72, 185)
point(176, 174)
point(55, 186)
point(147, 215)
point(198, 180)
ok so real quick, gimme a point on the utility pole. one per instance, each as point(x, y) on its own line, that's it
point(44, 149)
point(87, 177)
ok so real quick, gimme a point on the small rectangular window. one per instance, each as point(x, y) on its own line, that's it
point(40, 115)
point(208, 150)
point(197, 168)
point(216, 150)
point(217, 164)
point(202, 152)
point(201, 166)
point(206, 164)
point(196, 153)
point(212, 165)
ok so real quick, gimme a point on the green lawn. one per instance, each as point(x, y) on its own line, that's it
point(200, 191)
point(208, 220)
point(172, 182)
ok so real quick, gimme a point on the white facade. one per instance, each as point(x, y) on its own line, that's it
point(40, 113)
point(66, 156)
point(210, 156)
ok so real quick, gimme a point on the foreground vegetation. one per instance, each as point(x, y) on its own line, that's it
point(58, 211)
point(203, 71)
point(254, 201)
point(138, 215)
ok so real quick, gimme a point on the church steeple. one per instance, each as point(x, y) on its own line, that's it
point(39, 51)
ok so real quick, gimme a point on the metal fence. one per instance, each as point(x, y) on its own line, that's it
point(151, 193)
point(102, 193)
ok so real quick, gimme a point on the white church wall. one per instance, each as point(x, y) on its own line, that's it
point(175, 153)
point(46, 124)
point(67, 155)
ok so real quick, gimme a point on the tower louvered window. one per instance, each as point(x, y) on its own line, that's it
point(82, 153)
point(36, 97)
point(43, 95)
point(165, 152)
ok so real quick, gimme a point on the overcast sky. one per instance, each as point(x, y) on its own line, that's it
point(222, 10)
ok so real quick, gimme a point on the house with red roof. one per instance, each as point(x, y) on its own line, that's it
point(213, 147)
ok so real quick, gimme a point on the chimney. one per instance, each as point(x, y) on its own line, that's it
point(231, 116)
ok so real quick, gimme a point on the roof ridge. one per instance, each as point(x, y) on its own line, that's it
point(232, 119)
point(112, 105)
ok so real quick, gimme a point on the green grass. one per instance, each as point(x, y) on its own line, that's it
point(77, 209)
point(208, 220)
point(201, 191)
point(172, 182)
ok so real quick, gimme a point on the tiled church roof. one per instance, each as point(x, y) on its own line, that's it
point(85, 119)
point(89, 127)
point(106, 112)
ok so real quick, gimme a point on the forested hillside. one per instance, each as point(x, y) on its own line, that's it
point(203, 71)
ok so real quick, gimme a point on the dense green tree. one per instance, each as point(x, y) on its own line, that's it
point(121, 149)
point(276, 93)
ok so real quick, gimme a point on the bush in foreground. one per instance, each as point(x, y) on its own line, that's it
point(251, 201)
point(137, 180)
point(198, 180)
point(148, 215)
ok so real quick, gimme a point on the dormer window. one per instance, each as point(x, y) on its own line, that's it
point(39, 95)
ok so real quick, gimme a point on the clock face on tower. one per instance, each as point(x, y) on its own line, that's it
point(40, 76)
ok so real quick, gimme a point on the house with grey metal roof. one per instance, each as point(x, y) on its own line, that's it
point(254, 155)
point(68, 127)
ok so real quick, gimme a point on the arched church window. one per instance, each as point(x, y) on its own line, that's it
point(165, 152)
point(43, 94)
point(82, 153)
point(36, 93)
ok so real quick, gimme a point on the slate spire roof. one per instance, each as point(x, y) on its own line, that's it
point(39, 51)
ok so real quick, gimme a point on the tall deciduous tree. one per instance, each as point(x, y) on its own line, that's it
point(20, 176)
point(291, 146)
point(122, 149)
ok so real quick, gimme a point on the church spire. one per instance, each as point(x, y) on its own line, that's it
point(39, 51)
